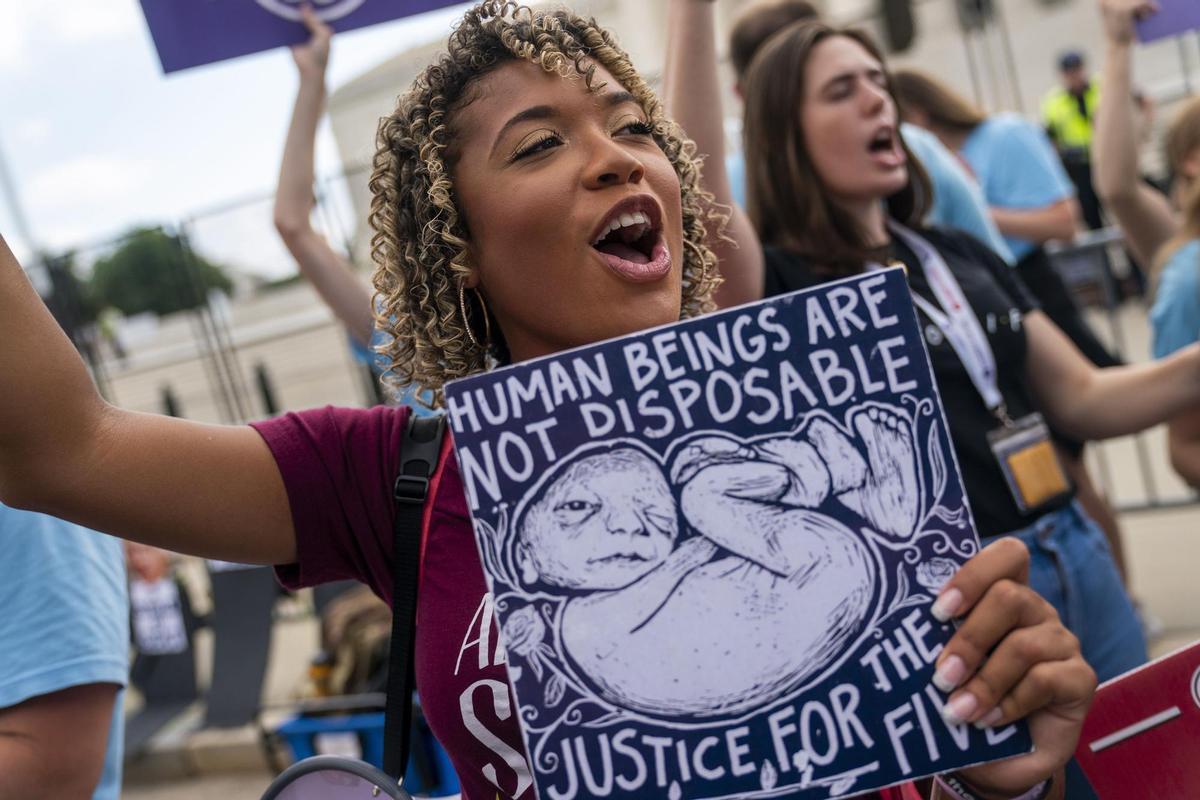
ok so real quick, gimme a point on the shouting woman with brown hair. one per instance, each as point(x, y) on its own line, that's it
point(832, 192)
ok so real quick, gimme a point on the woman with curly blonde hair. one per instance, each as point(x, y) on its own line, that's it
point(529, 196)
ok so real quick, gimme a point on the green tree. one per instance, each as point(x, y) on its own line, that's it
point(148, 272)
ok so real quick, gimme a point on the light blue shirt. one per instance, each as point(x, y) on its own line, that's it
point(1175, 316)
point(371, 356)
point(957, 199)
point(1017, 167)
point(64, 618)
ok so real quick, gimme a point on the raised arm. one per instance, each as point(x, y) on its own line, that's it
point(209, 490)
point(1144, 215)
point(330, 274)
point(1085, 402)
point(693, 97)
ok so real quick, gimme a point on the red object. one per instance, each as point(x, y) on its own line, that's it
point(1141, 738)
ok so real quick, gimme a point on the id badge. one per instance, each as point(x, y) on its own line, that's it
point(1029, 462)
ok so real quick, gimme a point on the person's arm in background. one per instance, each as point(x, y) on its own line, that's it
point(1144, 215)
point(343, 291)
point(1057, 221)
point(64, 636)
point(1085, 402)
point(693, 100)
point(958, 201)
point(1183, 445)
point(52, 746)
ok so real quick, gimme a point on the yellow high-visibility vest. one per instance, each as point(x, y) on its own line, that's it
point(1066, 125)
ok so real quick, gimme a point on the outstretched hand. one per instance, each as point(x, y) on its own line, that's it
point(1120, 17)
point(312, 57)
point(1011, 659)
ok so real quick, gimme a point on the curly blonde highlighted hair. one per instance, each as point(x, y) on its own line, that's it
point(420, 243)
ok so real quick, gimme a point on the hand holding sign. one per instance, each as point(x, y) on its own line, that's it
point(1121, 17)
point(313, 57)
point(1013, 659)
point(188, 34)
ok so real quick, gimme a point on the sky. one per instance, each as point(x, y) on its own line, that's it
point(97, 140)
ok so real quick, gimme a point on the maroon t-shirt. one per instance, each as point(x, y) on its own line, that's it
point(338, 466)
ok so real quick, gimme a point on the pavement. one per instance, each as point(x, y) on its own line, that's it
point(232, 786)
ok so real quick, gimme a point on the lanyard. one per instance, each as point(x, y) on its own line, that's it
point(956, 320)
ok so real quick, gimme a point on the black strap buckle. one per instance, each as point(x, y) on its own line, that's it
point(419, 458)
point(411, 489)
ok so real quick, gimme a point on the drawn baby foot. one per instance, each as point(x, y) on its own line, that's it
point(890, 499)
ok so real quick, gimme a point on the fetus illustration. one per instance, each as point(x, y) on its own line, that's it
point(732, 554)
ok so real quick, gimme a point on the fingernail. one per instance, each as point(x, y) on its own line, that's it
point(959, 708)
point(989, 719)
point(950, 674)
point(947, 605)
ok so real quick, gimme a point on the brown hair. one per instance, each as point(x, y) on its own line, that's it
point(420, 241)
point(788, 203)
point(946, 108)
point(1182, 142)
point(759, 23)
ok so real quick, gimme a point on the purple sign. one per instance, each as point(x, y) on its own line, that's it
point(1174, 17)
point(188, 33)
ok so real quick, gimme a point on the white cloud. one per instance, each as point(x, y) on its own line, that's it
point(30, 26)
point(78, 21)
point(14, 35)
point(31, 130)
point(86, 181)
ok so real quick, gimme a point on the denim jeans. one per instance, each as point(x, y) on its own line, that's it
point(1071, 566)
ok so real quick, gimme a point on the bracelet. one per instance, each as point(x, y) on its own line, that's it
point(956, 789)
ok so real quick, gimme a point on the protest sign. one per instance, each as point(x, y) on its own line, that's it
point(1173, 18)
point(1139, 739)
point(157, 617)
point(712, 548)
point(188, 33)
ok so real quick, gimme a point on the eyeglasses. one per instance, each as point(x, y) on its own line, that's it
point(333, 778)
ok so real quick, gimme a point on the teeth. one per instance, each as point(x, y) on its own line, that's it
point(623, 221)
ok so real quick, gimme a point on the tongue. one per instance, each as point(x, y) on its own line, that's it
point(623, 251)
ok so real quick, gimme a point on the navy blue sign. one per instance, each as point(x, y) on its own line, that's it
point(713, 548)
point(188, 33)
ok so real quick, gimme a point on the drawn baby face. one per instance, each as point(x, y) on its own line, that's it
point(607, 521)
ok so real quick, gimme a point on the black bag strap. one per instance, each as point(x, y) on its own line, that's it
point(418, 461)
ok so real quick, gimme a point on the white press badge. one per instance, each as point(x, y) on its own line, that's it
point(1023, 447)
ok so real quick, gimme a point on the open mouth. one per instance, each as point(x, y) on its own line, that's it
point(885, 146)
point(630, 240)
point(883, 141)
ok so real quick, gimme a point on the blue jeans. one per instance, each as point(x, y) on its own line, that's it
point(1071, 566)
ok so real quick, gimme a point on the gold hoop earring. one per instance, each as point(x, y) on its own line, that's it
point(487, 323)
